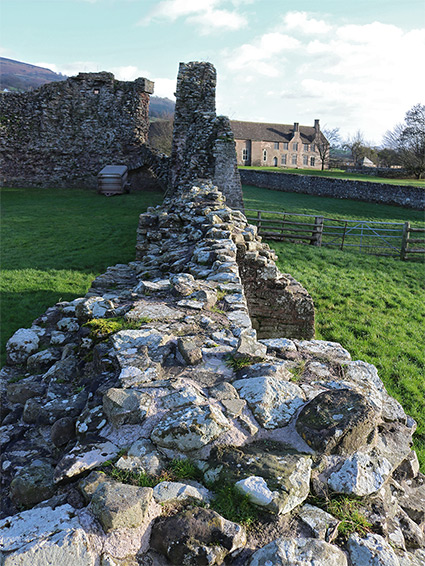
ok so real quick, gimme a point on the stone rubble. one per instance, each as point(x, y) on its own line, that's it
point(161, 362)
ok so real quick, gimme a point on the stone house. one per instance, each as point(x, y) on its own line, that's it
point(279, 145)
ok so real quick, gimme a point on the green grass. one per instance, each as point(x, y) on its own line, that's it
point(267, 199)
point(340, 174)
point(374, 306)
point(55, 242)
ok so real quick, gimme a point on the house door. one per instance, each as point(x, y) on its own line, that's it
point(274, 161)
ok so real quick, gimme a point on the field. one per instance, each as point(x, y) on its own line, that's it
point(340, 174)
point(55, 242)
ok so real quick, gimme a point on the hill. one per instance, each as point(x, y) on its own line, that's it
point(18, 76)
point(161, 107)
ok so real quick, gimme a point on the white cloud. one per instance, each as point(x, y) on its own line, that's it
point(351, 76)
point(209, 15)
point(165, 88)
point(301, 21)
point(261, 56)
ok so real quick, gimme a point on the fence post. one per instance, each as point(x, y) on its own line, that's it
point(317, 231)
point(343, 235)
point(405, 240)
point(258, 221)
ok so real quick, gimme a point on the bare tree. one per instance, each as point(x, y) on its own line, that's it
point(408, 141)
point(360, 148)
point(327, 139)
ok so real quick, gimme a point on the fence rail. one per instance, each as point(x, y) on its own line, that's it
point(377, 238)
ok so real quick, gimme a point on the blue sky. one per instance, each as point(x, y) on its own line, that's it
point(356, 65)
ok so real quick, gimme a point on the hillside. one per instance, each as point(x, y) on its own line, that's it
point(18, 76)
point(15, 75)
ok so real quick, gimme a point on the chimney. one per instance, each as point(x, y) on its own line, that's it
point(316, 125)
point(296, 126)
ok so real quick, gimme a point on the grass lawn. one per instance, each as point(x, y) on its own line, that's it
point(55, 242)
point(340, 174)
point(374, 306)
point(267, 199)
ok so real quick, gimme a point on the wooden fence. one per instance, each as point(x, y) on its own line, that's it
point(412, 245)
point(377, 238)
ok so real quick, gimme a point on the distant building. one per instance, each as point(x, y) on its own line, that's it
point(279, 145)
point(366, 162)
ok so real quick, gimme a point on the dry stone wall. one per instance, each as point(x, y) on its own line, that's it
point(203, 144)
point(160, 362)
point(62, 134)
point(381, 193)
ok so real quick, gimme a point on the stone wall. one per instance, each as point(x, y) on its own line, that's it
point(177, 236)
point(159, 363)
point(406, 196)
point(63, 134)
point(203, 144)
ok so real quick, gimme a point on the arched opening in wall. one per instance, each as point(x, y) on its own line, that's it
point(274, 161)
point(143, 179)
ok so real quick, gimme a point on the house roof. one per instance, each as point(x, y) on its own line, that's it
point(270, 132)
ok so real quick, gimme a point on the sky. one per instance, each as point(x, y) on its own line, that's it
point(356, 65)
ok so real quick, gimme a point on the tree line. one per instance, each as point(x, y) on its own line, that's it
point(403, 146)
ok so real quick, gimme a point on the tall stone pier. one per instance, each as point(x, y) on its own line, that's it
point(203, 143)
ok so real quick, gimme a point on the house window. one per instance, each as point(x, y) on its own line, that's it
point(294, 159)
point(283, 159)
point(312, 161)
point(264, 155)
point(305, 159)
point(276, 145)
point(244, 155)
point(295, 146)
point(306, 146)
point(285, 145)
point(313, 147)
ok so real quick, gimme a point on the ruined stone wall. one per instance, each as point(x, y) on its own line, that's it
point(160, 362)
point(62, 134)
point(203, 144)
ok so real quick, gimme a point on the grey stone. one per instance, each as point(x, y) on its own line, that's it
point(190, 350)
point(44, 536)
point(273, 401)
point(167, 491)
point(198, 536)
point(94, 307)
point(125, 406)
point(190, 428)
point(340, 421)
point(279, 345)
point(83, 458)
point(277, 481)
point(361, 474)
point(299, 552)
point(372, 550)
point(321, 523)
point(21, 391)
point(153, 312)
point(41, 361)
point(331, 351)
point(21, 345)
point(32, 484)
point(62, 431)
point(119, 506)
point(249, 348)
